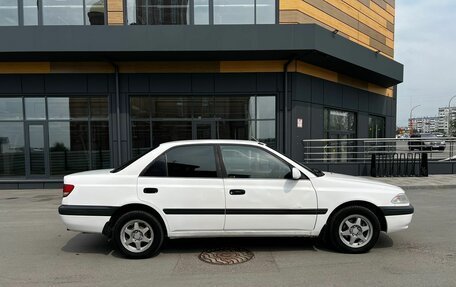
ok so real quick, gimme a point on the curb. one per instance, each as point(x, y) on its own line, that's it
point(417, 187)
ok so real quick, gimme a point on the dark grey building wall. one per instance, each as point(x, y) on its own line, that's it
point(308, 97)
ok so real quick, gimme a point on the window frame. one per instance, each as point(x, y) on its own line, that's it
point(225, 175)
point(211, 14)
point(218, 167)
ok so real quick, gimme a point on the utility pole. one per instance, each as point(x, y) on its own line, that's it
point(411, 120)
point(449, 116)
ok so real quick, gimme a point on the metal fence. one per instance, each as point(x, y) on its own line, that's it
point(438, 149)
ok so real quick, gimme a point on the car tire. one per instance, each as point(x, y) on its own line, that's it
point(354, 229)
point(138, 234)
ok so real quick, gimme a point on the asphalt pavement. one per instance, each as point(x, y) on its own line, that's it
point(36, 250)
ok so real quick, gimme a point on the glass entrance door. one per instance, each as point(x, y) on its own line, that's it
point(204, 130)
point(37, 152)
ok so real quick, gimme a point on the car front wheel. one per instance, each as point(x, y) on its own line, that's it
point(354, 229)
point(137, 234)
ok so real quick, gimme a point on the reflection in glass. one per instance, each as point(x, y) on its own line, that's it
point(30, 12)
point(140, 107)
point(266, 133)
point(234, 12)
point(12, 161)
point(11, 109)
point(158, 12)
point(252, 162)
point(376, 127)
point(203, 107)
point(201, 11)
point(63, 12)
point(266, 108)
point(191, 161)
point(171, 131)
point(68, 147)
point(95, 12)
point(140, 133)
point(233, 107)
point(236, 130)
point(171, 107)
point(99, 107)
point(265, 12)
point(68, 108)
point(36, 151)
point(9, 13)
point(35, 109)
point(100, 145)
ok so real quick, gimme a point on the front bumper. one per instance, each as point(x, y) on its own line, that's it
point(398, 217)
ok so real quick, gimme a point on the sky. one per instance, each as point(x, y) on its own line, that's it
point(425, 42)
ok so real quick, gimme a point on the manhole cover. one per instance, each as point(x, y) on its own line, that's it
point(226, 256)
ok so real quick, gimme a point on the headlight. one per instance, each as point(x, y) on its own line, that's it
point(401, 198)
point(442, 142)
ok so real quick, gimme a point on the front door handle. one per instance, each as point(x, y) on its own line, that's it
point(237, 191)
point(150, 190)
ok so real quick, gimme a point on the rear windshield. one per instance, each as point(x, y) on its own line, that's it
point(127, 163)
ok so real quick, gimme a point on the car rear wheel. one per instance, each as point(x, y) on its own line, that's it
point(137, 234)
point(354, 229)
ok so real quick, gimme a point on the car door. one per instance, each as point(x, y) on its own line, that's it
point(260, 194)
point(185, 183)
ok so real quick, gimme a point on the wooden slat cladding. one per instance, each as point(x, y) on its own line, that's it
point(275, 66)
point(367, 22)
point(115, 12)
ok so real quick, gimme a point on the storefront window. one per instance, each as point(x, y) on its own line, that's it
point(12, 159)
point(9, 15)
point(339, 125)
point(11, 109)
point(66, 134)
point(155, 120)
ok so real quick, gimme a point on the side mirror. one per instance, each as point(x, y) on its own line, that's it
point(295, 173)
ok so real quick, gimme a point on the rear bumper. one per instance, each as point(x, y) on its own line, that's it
point(89, 224)
point(82, 218)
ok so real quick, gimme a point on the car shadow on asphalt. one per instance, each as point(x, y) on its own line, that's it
point(84, 243)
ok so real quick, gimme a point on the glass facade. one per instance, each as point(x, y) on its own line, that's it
point(9, 15)
point(339, 125)
point(376, 127)
point(52, 12)
point(200, 12)
point(53, 136)
point(155, 120)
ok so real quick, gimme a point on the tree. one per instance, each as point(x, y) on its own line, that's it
point(453, 128)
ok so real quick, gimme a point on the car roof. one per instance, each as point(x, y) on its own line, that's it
point(211, 141)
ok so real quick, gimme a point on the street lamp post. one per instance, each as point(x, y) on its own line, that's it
point(449, 115)
point(411, 120)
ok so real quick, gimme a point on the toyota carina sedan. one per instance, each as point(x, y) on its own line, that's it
point(220, 188)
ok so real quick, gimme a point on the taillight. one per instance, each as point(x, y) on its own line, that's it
point(67, 189)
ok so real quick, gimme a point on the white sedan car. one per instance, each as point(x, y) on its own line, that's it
point(218, 188)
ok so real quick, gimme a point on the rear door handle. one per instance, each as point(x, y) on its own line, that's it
point(237, 191)
point(150, 190)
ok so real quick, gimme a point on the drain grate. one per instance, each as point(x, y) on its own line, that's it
point(226, 256)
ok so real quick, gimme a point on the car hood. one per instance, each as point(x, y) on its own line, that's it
point(343, 181)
